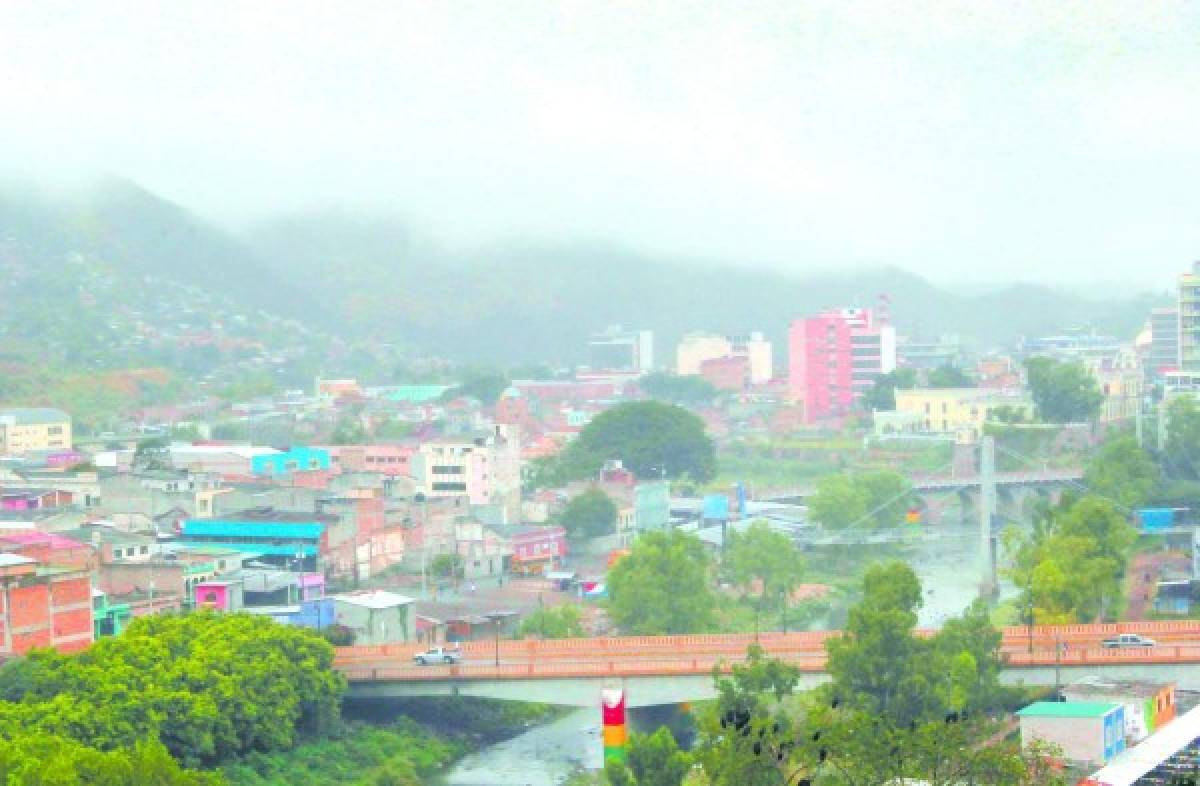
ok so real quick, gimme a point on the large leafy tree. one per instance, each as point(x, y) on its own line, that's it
point(560, 622)
point(686, 389)
point(1181, 454)
point(882, 395)
point(652, 439)
point(868, 499)
point(650, 760)
point(590, 514)
point(767, 557)
point(1122, 472)
point(1063, 392)
point(1071, 566)
point(947, 376)
point(207, 686)
point(662, 586)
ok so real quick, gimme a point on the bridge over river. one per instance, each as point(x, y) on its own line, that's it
point(656, 670)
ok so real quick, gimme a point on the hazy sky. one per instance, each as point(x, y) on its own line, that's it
point(966, 140)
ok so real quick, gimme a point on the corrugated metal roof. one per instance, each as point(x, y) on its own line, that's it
point(252, 529)
point(1067, 709)
point(28, 415)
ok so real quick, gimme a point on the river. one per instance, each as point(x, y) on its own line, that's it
point(542, 756)
point(546, 755)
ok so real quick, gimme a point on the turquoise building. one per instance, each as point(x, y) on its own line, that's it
point(295, 460)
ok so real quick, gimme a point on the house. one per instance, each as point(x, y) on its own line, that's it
point(43, 606)
point(1086, 732)
point(108, 618)
point(33, 499)
point(376, 616)
point(49, 549)
point(294, 540)
point(961, 412)
point(34, 429)
point(226, 594)
point(536, 551)
point(317, 613)
point(1148, 705)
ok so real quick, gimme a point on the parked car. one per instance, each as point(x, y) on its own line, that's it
point(438, 655)
point(1126, 640)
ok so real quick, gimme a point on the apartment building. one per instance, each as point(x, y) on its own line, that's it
point(34, 429)
point(43, 606)
point(696, 349)
point(834, 357)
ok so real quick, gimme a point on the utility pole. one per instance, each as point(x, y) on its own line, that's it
point(987, 509)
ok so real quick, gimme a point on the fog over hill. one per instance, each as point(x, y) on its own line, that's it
point(372, 278)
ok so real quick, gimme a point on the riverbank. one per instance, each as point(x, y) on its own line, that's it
point(393, 743)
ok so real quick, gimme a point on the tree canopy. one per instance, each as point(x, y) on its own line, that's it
point(765, 556)
point(662, 586)
point(1071, 566)
point(687, 389)
point(878, 498)
point(559, 622)
point(207, 686)
point(1063, 392)
point(1122, 472)
point(590, 515)
point(1181, 454)
point(882, 395)
point(650, 437)
point(947, 376)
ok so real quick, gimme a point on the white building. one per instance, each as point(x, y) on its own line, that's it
point(376, 616)
point(695, 348)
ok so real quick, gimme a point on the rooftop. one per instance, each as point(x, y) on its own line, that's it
point(30, 415)
point(374, 599)
point(1067, 709)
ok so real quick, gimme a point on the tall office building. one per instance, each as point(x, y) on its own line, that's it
point(1163, 354)
point(835, 356)
point(695, 349)
point(621, 350)
point(1189, 319)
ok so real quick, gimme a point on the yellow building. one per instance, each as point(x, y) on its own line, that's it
point(958, 411)
point(25, 430)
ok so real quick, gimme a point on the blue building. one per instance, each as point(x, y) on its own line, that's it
point(293, 541)
point(317, 613)
point(298, 459)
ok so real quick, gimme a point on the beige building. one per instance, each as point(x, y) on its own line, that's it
point(25, 430)
point(695, 348)
point(958, 411)
point(1120, 380)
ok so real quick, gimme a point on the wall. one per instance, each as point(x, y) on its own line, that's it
point(1081, 739)
point(376, 626)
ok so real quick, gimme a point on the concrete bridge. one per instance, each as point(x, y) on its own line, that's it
point(659, 670)
point(942, 484)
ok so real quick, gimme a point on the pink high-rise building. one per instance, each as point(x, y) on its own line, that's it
point(836, 355)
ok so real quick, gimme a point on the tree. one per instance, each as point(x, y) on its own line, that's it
point(349, 431)
point(651, 760)
point(1181, 454)
point(1063, 392)
point(1071, 566)
point(878, 498)
point(590, 515)
point(207, 686)
point(152, 453)
point(947, 376)
point(1122, 472)
point(446, 566)
point(651, 438)
point(689, 389)
point(662, 586)
point(882, 395)
point(483, 386)
point(559, 622)
point(770, 557)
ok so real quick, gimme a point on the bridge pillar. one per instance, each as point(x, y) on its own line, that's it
point(987, 514)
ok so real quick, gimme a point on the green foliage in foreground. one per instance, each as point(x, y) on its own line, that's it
point(360, 755)
point(44, 760)
point(208, 686)
point(560, 622)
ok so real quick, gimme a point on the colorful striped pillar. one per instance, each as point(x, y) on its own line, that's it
point(612, 705)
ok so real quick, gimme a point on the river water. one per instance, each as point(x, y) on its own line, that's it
point(542, 756)
point(546, 755)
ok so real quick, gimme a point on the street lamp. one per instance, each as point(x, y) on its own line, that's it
point(497, 617)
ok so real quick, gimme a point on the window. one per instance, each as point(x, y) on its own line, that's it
point(54, 431)
point(144, 550)
point(448, 469)
point(449, 486)
point(118, 553)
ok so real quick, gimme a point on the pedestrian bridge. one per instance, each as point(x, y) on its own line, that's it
point(657, 670)
point(936, 484)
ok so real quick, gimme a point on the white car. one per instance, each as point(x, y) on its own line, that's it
point(1127, 640)
point(438, 655)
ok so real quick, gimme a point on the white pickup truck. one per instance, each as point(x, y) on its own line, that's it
point(438, 655)
point(1127, 640)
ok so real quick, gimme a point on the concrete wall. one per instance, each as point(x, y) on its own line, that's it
point(376, 626)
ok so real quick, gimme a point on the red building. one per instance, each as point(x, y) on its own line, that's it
point(536, 550)
point(834, 357)
point(727, 373)
point(50, 549)
point(43, 606)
